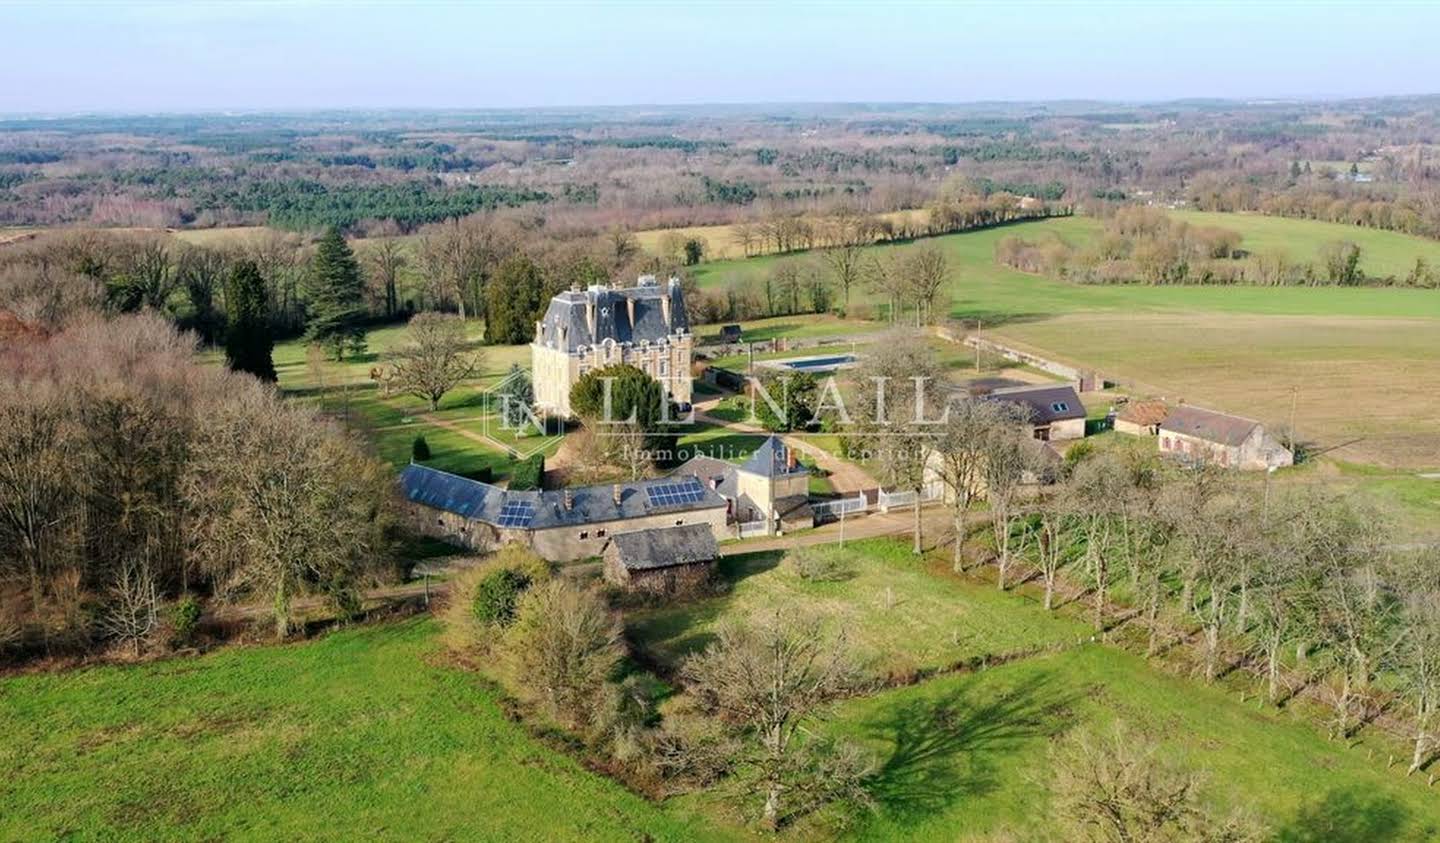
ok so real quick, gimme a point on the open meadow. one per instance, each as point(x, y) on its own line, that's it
point(372, 732)
point(1363, 360)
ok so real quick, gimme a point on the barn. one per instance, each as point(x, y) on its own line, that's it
point(662, 560)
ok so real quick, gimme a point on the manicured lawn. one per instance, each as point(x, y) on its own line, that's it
point(897, 611)
point(360, 735)
point(392, 422)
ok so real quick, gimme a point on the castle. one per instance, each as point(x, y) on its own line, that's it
point(644, 326)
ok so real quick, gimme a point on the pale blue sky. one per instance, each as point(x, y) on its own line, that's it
point(64, 57)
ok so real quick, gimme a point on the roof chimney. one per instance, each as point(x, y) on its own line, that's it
point(665, 309)
point(590, 315)
point(789, 458)
point(616, 491)
point(630, 309)
point(569, 500)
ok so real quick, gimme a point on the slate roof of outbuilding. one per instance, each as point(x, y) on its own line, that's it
point(587, 504)
point(1209, 425)
point(664, 547)
point(1042, 401)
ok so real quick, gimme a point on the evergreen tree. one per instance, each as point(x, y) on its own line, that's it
point(513, 300)
point(248, 343)
point(337, 298)
point(519, 397)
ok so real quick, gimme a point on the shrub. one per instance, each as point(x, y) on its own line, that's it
point(185, 620)
point(496, 595)
point(528, 473)
point(561, 651)
point(420, 449)
point(821, 564)
point(1078, 453)
point(464, 630)
point(344, 598)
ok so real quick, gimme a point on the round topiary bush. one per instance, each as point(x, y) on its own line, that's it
point(496, 595)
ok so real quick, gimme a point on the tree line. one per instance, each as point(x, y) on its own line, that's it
point(136, 482)
point(1303, 586)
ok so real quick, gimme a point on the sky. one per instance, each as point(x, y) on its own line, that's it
point(65, 57)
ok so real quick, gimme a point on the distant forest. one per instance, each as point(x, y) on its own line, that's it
point(1363, 162)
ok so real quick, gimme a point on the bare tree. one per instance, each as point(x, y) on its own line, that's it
point(277, 505)
point(975, 432)
point(847, 267)
point(900, 418)
point(35, 484)
point(134, 610)
point(1011, 459)
point(925, 273)
point(1113, 787)
point(769, 677)
point(628, 444)
point(385, 260)
point(887, 278)
point(1355, 610)
point(1417, 652)
point(434, 358)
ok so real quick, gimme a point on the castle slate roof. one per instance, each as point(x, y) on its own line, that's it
point(537, 510)
point(1221, 428)
point(566, 324)
point(1046, 403)
point(664, 547)
point(771, 459)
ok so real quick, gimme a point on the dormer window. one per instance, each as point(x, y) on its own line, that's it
point(1059, 407)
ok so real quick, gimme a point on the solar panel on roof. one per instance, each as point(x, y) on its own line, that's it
point(675, 494)
point(517, 514)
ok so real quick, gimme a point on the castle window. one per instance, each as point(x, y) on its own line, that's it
point(584, 534)
point(600, 534)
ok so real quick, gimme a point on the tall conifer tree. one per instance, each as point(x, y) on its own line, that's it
point(248, 342)
point(337, 303)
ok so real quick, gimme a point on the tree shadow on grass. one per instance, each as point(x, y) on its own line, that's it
point(944, 749)
point(1350, 816)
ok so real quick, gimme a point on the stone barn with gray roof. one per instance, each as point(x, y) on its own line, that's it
point(561, 525)
point(662, 560)
point(1192, 434)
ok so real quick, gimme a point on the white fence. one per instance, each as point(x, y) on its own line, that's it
point(832, 510)
point(893, 500)
point(747, 529)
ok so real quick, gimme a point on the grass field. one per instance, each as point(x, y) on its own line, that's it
point(896, 611)
point(1382, 253)
point(1240, 349)
point(360, 735)
point(370, 733)
point(967, 757)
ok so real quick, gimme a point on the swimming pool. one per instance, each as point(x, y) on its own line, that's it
point(818, 364)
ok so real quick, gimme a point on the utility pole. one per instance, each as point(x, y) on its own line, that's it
point(977, 345)
point(1294, 402)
